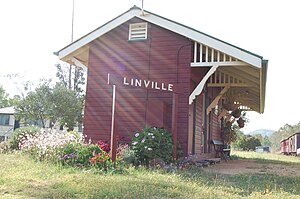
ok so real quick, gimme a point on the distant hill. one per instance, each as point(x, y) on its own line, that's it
point(263, 132)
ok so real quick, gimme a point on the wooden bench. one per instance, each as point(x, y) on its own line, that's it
point(221, 150)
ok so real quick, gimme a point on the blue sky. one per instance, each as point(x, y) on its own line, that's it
point(32, 30)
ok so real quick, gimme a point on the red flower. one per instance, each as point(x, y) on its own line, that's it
point(104, 146)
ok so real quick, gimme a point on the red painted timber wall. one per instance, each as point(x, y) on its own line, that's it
point(165, 57)
point(215, 129)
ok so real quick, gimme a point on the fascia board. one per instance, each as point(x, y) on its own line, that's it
point(202, 38)
point(97, 33)
point(165, 23)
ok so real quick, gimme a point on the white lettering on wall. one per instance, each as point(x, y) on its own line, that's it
point(125, 82)
point(170, 87)
point(147, 84)
point(138, 82)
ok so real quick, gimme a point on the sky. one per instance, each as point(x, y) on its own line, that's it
point(32, 30)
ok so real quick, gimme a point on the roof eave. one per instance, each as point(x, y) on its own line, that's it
point(86, 39)
point(183, 30)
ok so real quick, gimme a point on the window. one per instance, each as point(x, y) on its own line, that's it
point(4, 119)
point(137, 31)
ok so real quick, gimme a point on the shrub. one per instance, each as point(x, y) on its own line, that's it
point(69, 149)
point(46, 144)
point(90, 155)
point(4, 147)
point(127, 154)
point(104, 146)
point(102, 161)
point(21, 134)
point(152, 143)
point(247, 143)
point(78, 154)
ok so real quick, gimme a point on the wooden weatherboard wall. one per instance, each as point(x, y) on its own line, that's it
point(203, 133)
point(164, 57)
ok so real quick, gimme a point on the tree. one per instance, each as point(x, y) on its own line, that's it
point(73, 79)
point(246, 143)
point(67, 106)
point(4, 99)
point(35, 106)
point(55, 104)
point(23, 86)
point(266, 141)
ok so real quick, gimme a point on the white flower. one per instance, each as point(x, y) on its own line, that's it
point(153, 136)
point(134, 143)
point(143, 140)
point(136, 135)
point(149, 149)
point(146, 147)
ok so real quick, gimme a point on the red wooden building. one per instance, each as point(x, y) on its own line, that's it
point(149, 51)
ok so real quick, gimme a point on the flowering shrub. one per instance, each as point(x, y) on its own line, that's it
point(101, 161)
point(104, 146)
point(78, 154)
point(21, 134)
point(46, 143)
point(126, 154)
point(152, 143)
point(68, 148)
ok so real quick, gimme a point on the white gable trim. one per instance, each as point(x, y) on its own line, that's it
point(174, 27)
point(204, 39)
point(98, 32)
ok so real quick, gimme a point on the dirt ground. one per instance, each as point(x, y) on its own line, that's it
point(251, 166)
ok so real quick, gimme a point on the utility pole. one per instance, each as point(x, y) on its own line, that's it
point(72, 33)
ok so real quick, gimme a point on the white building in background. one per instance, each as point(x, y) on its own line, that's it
point(7, 122)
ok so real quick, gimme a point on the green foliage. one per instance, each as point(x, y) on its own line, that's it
point(5, 101)
point(36, 105)
point(230, 132)
point(152, 143)
point(246, 143)
point(4, 147)
point(67, 148)
point(66, 106)
point(101, 161)
point(284, 132)
point(127, 155)
point(78, 154)
point(56, 104)
point(264, 140)
point(21, 134)
point(71, 77)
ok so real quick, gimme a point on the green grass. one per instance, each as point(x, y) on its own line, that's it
point(275, 158)
point(21, 177)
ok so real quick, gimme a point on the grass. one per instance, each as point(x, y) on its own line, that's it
point(21, 177)
point(275, 158)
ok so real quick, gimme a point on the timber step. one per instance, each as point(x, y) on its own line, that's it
point(213, 160)
point(202, 163)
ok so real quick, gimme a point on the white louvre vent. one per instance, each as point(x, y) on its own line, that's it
point(138, 31)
